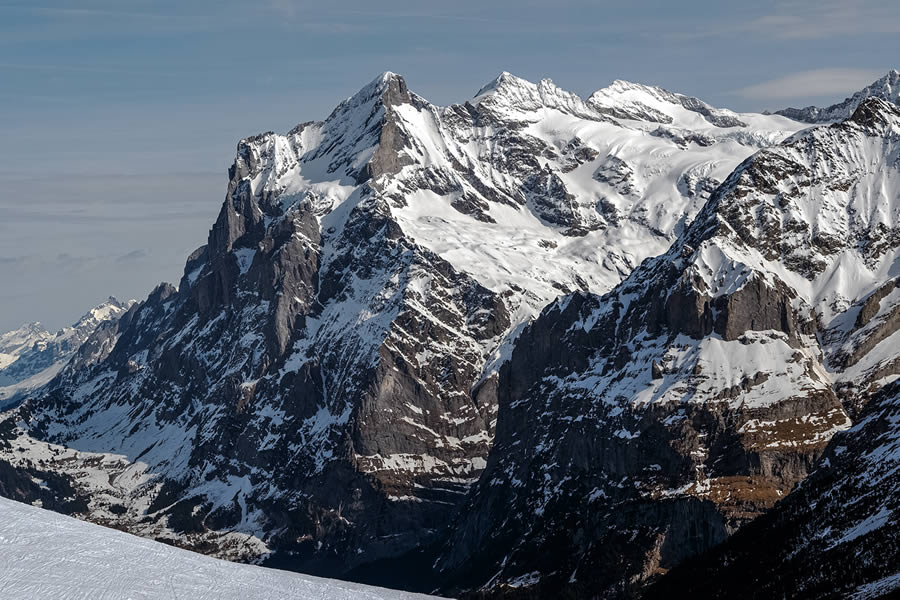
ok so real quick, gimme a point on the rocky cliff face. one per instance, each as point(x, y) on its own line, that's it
point(641, 427)
point(835, 536)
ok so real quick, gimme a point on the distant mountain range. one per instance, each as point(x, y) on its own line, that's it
point(31, 356)
point(522, 346)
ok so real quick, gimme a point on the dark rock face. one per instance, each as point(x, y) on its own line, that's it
point(552, 202)
point(373, 428)
point(618, 174)
point(388, 159)
point(645, 426)
point(576, 480)
point(872, 304)
point(683, 139)
point(32, 484)
point(717, 118)
point(696, 185)
point(833, 537)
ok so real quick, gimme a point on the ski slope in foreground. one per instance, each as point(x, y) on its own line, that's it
point(47, 555)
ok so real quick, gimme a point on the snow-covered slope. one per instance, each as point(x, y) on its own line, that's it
point(634, 101)
point(546, 192)
point(47, 555)
point(887, 88)
point(15, 343)
point(658, 418)
point(322, 384)
point(31, 356)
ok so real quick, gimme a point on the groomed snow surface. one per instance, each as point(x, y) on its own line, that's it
point(45, 555)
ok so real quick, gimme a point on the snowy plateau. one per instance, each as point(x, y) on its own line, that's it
point(525, 346)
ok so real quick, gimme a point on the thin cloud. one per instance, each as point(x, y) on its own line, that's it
point(133, 256)
point(93, 13)
point(827, 21)
point(13, 260)
point(811, 84)
point(54, 24)
point(804, 20)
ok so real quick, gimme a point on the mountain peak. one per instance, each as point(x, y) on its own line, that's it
point(388, 89)
point(892, 78)
point(504, 81)
point(387, 75)
point(27, 331)
point(886, 87)
point(381, 81)
point(509, 93)
point(104, 310)
point(636, 101)
point(384, 82)
point(34, 326)
point(623, 85)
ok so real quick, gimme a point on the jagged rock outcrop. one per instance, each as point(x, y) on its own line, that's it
point(638, 428)
point(835, 536)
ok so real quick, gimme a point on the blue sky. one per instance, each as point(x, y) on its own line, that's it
point(119, 118)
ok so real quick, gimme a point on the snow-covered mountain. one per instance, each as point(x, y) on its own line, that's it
point(46, 555)
point(644, 426)
point(31, 356)
point(632, 101)
point(887, 88)
point(322, 384)
point(19, 341)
